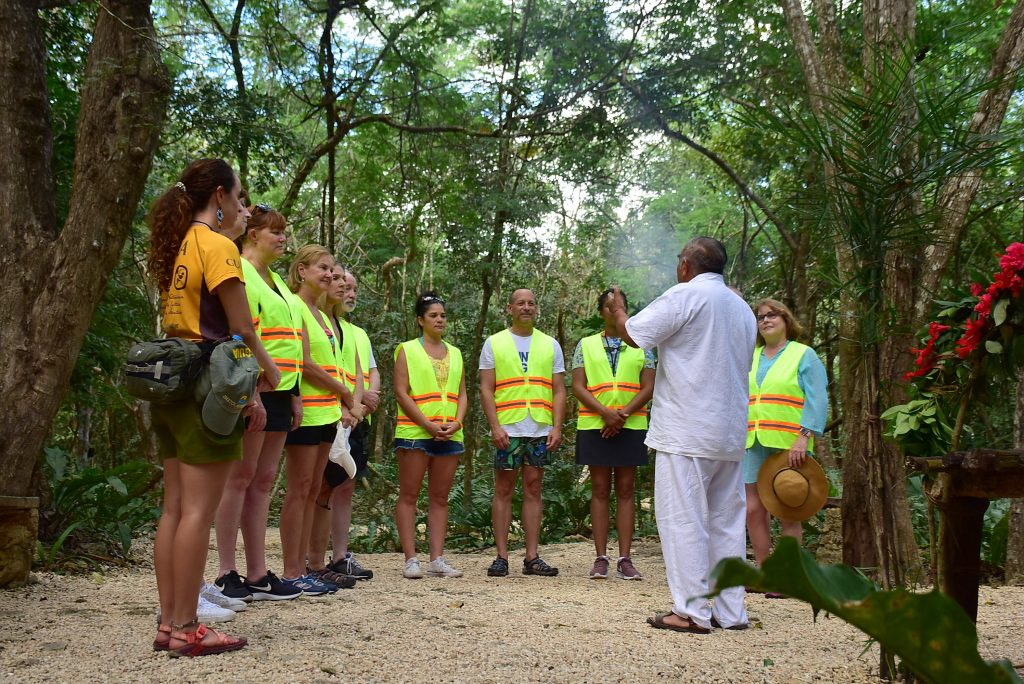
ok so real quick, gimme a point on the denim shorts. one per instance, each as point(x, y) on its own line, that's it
point(431, 447)
point(532, 451)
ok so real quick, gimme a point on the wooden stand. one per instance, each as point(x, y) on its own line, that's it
point(963, 484)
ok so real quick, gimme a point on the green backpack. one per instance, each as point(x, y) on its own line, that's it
point(163, 371)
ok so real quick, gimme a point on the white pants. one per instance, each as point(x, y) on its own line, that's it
point(700, 505)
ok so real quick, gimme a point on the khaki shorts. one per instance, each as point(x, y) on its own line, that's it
point(181, 434)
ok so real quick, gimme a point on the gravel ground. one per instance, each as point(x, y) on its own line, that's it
point(98, 628)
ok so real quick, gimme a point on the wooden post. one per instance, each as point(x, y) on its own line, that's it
point(960, 543)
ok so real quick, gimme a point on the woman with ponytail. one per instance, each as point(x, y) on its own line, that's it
point(430, 388)
point(197, 269)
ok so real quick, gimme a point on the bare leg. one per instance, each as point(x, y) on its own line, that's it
point(163, 548)
point(300, 461)
point(501, 508)
point(341, 517)
point(257, 505)
point(201, 487)
point(533, 508)
point(757, 525)
point(442, 471)
point(793, 529)
point(311, 494)
point(232, 502)
point(625, 514)
point(412, 464)
point(600, 490)
point(321, 527)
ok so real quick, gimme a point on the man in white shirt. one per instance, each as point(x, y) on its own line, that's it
point(705, 336)
point(522, 390)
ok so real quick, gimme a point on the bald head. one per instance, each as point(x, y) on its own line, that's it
point(705, 255)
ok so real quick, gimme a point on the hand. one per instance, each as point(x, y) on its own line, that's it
point(608, 431)
point(554, 438)
point(371, 400)
point(257, 416)
point(438, 431)
point(296, 412)
point(798, 452)
point(449, 429)
point(612, 418)
point(347, 419)
point(499, 437)
point(357, 412)
point(267, 382)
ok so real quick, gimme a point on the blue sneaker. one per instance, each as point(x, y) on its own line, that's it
point(309, 586)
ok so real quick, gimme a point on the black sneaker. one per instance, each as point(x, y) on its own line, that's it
point(230, 584)
point(351, 567)
point(499, 568)
point(270, 588)
point(328, 576)
point(538, 567)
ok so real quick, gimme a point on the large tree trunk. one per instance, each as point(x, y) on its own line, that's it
point(53, 278)
point(1015, 535)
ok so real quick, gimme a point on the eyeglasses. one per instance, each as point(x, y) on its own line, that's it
point(265, 208)
point(434, 299)
point(770, 316)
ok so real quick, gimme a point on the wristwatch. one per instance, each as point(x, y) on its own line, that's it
point(804, 432)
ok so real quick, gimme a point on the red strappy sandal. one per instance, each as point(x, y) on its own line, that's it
point(163, 638)
point(194, 645)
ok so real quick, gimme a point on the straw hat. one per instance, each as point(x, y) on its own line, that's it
point(791, 494)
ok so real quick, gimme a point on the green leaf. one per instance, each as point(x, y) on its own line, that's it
point(929, 632)
point(999, 312)
point(117, 484)
point(993, 347)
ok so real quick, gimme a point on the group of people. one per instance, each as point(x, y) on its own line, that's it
point(211, 258)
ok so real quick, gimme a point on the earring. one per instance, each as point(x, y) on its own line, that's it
point(220, 217)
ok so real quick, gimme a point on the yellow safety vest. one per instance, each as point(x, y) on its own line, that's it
point(611, 390)
point(355, 339)
point(776, 406)
point(518, 394)
point(436, 403)
point(278, 321)
point(319, 406)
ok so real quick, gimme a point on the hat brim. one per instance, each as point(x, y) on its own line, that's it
point(817, 483)
point(217, 418)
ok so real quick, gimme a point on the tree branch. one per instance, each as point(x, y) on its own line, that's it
point(668, 131)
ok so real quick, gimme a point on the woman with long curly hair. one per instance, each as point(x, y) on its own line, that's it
point(197, 269)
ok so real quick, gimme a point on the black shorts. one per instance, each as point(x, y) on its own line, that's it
point(334, 474)
point(312, 435)
point(624, 450)
point(279, 410)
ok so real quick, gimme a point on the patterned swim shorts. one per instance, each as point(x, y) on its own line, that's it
point(532, 451)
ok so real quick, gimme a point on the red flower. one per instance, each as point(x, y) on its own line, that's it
point(935, 329)
point(974, 332)
point(984, 305)
point(976, 289)
point(1013, 260)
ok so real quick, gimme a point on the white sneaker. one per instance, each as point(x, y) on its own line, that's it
point(212, 594)
point(211, 612)
point(439, 568)
point(412, 569)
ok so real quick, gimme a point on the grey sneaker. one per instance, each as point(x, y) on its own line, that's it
point(624, 570)
point(351, 567)
point(600, 569)
point(412, 569)
point(439, 568)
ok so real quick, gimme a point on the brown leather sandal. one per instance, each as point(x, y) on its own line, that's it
point(658, 622)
